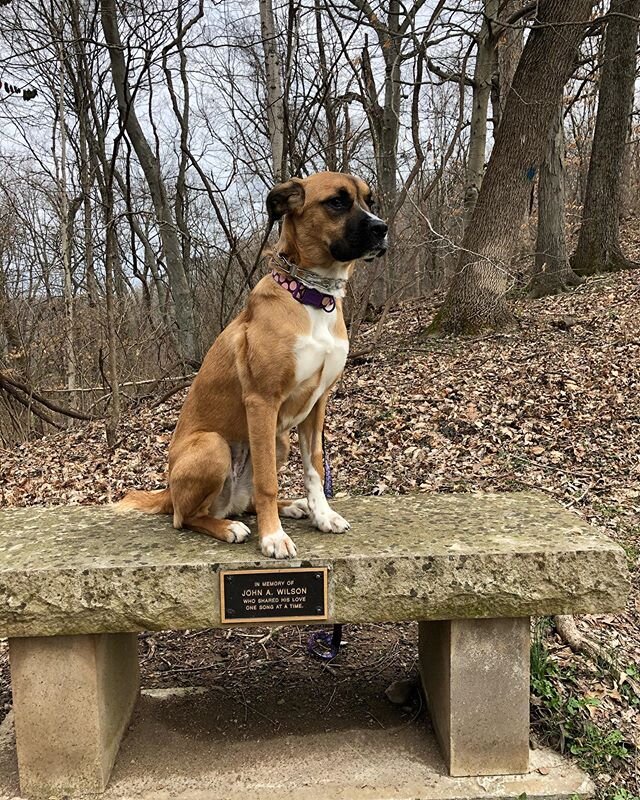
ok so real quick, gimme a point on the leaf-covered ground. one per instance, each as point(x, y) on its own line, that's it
point(553, 406)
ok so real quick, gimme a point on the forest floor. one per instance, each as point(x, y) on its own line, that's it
point(553, 406)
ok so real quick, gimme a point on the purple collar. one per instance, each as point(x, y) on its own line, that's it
point(304, 294)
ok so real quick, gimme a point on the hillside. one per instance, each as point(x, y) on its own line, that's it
point(553, 406)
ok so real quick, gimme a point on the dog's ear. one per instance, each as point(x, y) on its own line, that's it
point(284, 198)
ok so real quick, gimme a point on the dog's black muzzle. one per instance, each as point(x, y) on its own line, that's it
point(365, 237)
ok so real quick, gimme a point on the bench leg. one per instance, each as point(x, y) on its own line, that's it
point(475, 673)
point(72, 699)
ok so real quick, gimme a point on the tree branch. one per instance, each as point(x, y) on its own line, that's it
point(5, 381)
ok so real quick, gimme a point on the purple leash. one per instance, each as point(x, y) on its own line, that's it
point(321, 644)
point(328, 480)
point(324, 645)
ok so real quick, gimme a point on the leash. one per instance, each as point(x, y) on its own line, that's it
point(321, 644)
point(328, 480)
point(315, 290)
point(324, 645)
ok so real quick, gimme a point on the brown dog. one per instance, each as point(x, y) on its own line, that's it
point(270, 370)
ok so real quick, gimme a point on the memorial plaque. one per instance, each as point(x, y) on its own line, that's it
point(274, 595)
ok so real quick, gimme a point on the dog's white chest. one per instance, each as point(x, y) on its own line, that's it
point(319, 353)
point(321, 350)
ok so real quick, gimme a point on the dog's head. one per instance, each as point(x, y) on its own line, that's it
point(328, 218)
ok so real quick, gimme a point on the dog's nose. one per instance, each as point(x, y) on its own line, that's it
point(380, 228)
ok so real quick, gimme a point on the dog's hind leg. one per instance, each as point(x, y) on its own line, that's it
point(197, 474)
point(293, 509)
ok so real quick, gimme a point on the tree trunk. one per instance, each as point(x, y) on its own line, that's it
point(507, 54)
point(65, 243)
point(86, 181)
point(598, 248)
point(384, 120)
point(390, 129)
point(384, 123)
point(182, 299)
point(482, 77)
point(552, 273)
point(113, 418)
point(328, 93)
point(15, 351)
point(275, 97)
point(477, 297)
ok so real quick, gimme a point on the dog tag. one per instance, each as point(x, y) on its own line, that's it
point(274, 595)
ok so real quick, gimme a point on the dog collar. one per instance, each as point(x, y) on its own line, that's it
point(334, 286)
point(304, 294)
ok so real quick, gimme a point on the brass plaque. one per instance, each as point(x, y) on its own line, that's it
point(298, 594)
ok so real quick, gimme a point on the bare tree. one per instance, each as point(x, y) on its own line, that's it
point(391, 26)
point(507, 53)
point(552, 272)
point(328, 96)
point(65, 244)
point(275, 98)
point(598, 248)
point(482, 79)
point(477, 297)
point(182, 298)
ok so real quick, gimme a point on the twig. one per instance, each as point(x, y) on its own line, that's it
point(171, 392)
point(204, 668)
point(373, 716)
point(248, 708)
point(328, 706)
point(26, 402)
point(81, 389)
point(5, 381)
point(268, 636)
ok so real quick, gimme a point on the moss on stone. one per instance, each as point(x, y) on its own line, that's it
point(87, 569)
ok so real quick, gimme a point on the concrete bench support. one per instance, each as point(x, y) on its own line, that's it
point(72, 698)
point(475, 674)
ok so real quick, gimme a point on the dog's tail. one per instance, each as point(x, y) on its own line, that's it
point(158, 502)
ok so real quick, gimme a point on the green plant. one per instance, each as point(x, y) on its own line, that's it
point(628, 689)
point(623, 794)
point(595, 746)
point(561, 713)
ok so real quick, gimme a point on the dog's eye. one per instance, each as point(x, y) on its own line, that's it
point(338, 203)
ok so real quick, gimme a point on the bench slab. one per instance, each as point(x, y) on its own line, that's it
point(87, 569)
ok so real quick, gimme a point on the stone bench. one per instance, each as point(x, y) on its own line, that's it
point(77, 584)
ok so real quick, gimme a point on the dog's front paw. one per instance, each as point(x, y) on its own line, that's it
point(296, 509)
point(238, 532)
point(277, 545)
point(330, 522)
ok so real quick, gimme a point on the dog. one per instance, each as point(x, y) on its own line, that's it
point(272, 369)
